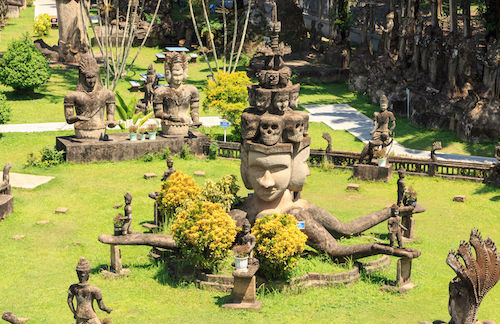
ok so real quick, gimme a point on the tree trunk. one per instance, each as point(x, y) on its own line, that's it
point(157, 240)
point(71, 30)
point(466, 17)
point(453, 16)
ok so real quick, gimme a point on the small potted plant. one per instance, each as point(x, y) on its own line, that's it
point(241, 255)
point(133, 132)
point(152, 131)
point(118, 222)
point(410, 198)
point(381, 157)
point(142, 134)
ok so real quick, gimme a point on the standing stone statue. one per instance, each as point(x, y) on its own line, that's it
point(85, 295)
point(170, 170)
point(381, 131)
point(5, 187)
point(394, 226)
point(71, 24)
point(128, 213)
point(401, 186)
point(175, 103)
point(85, 107)
point(245, 237)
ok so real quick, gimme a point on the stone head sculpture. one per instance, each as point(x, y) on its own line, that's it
point(294, 96)
point(263, 99)
point(170, 162)
point(269, 78)
point(249, 125)
point(402, 173)
point(285, 75)
point(294, 127)
point(251, 94)
point(128, 198)
point(83, 270)
point(176, 68)
point(300, 168)
point(88, 74)
point(281, 101)
point(384, 103)
point(480, 273)
point(270, 129)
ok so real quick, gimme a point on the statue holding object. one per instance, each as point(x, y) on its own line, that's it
point(85, 107)
point(175, 103)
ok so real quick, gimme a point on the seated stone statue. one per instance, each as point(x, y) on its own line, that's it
point(5, 184)
point(381, 131)
point(85, 295)
point(85, 107)
point(172, 104)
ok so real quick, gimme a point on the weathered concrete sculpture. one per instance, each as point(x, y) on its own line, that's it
point(381, 131)
point(170, 170)
point(86, 106)
point(128, 214)
point(401, 186)
point(494, 177)
point(473, 281)
point(13, 319)
point(245, 237)
point(72, 22)
point(394, 226)
point(175, 103)
point(149, 87)
point(85, 295)
point(6, 199)
point(274, 164)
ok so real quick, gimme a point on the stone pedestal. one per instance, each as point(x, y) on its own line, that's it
point(403, 277)
point(372, 172)
point(243, 293)
point(6, 206)
point(118, 147)
point(116, 268)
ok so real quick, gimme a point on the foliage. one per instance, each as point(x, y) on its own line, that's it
point(410, 193)
point(278, 244)
point(227, 95)
point(4, 109)
point(23, 66)
point(380, 154)
point(127, 114)
point(119, 220)
point(42, 24)
point(212, 150)
point(175, 194)
point(29, 3)
point(241, 251)
point(47, 157)
point(223, 192)
point(204, 233)
point(186, 152)
point(492, 20)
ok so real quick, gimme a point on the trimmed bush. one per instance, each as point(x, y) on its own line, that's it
point(278, 244)
point(4, 109)
point(175, 194)
point(204, 233)
point(47, 158)
point(223, 192)
point(23, 66)
point(42, 25)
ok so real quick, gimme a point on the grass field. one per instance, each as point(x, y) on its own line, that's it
point(41, 266)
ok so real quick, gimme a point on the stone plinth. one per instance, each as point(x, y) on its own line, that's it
point(118, 147)
point(372, 172)
point(243, 294)
point(403, 277)
point(6, 206)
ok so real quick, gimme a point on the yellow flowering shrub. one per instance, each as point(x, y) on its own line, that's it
point(278, 244)
point(176, 193)
point(204, 233)
point(223, 191)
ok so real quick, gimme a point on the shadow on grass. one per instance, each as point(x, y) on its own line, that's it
point(376, 278)
point(219, 301)
point(487, 188)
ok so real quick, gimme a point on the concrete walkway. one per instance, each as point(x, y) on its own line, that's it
point(26, 181)
point(344, 117)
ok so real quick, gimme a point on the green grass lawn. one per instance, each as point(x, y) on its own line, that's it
point(41, 266)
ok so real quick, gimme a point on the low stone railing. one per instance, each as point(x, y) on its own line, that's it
point(346, 159)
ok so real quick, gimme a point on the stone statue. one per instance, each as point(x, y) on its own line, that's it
point(149, 86)
point(328, 139)
point(13, 319)
point(90, 101)
point(381, 131)
point(71, 24)
point(435, 146)
point(473, 281)
point(401, 186)
point(245, 237)
point(274, 154)
point(5, 187)
point(388, 32)
point(170, 170)
point(85, 295)
point(174, 104)
point(128, 213)
point(394, 226)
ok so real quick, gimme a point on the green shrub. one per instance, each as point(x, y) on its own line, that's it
point(175, 194)
point(223, 191)
point(204, 233)
point(186, 153)
point(29, 3)
point(212, 150)
point(278, 244)
point(227, 95)
point(23, 66)
point(47, 157)
point(4, 109)
point(42, 25)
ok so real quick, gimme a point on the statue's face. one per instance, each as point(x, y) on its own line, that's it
point(383, 107)
point(90, 80)
point(176, 75)
point(269, 175)
point(83, 276)
point(281, 101)
point(294, 99)
point(300, 170)
point(262, 102)
point(170, 164)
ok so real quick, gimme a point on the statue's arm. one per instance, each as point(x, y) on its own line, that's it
point(110, 109)
point(375, 124)
point(195, 105)
point(393, 121)
point(69, 104)
point(70, 301)
point(100, 303)
point(158, 96)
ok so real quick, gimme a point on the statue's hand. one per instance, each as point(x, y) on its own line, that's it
point(196, 125)
point(82, 118)
point(108, 310)
point(112, 123)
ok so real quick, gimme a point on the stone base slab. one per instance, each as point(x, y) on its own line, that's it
point(118, 147)
point(6, 206)
point(255, 306)
point(372, 172)
point(113, 275)
point(401, 289)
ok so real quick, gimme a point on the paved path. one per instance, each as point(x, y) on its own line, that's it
point(26, 181)
point(342, 116)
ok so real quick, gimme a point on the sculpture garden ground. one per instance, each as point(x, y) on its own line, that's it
point(41, 266)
